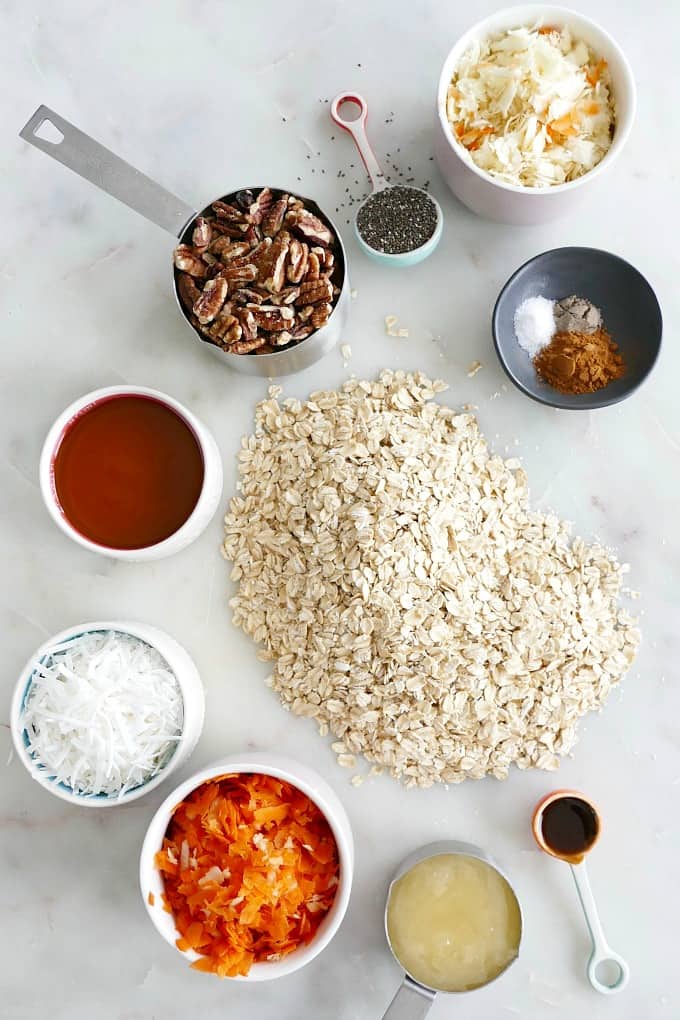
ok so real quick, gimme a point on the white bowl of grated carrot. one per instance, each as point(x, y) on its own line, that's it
point(246, 868)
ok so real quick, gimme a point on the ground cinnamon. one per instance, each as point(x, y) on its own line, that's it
point(580, 362)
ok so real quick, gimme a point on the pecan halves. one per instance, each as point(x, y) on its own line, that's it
point(188, 291)
point(202, 234)
point(211, 300)
point(227, 248)
point(189, 261)
point(309, 226)
point(272, 317)
point(273, 220)
point(313, 267)
point(320, 315)
point(247, 346)
point(260, 207)
point(248, 324)
point(315, 292)
point(230, 214)
point(225, 329)
point(298, 254)
point(239, 273)
point(257, 276)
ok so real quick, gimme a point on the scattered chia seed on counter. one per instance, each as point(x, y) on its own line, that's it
point(397, 220)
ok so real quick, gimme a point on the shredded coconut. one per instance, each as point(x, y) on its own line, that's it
point(532, 106)
point(103, 713)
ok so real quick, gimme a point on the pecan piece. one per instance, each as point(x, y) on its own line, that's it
point(202, 234)
point(315, 292)
point(234, 230)
point(266, 349)
point(230, 214)
point(301, 332)
point(280, 339)
point(271, 267)
point(256, 345)
point(273, 220)
point(320, 315)
point(248, 296)
point(272, 318)
point(309, 226)
point(287, 296)
point(227, 248)
point(260, 207)
point(253, 235)
point(188, 291)
point(225, 329)
point(298, 254)
point(211, 300)
point(313, 267)
point(239, 273)
point(248, 324)
point(328, 260)
point(303, 314)
point(188, 260)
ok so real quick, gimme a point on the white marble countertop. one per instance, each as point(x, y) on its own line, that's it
point(205, 97)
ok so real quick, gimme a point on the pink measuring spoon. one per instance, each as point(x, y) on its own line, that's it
point(357, 129)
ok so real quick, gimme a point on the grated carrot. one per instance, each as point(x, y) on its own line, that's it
point(250, 868)
point(593, 74)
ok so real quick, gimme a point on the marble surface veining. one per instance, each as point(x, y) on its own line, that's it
point(206, 97)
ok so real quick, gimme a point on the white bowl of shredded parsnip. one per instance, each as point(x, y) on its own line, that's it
point(488, 155)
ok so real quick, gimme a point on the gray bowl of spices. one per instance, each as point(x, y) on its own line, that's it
point(609, 359)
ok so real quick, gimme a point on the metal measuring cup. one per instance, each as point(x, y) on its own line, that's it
point(414, 999)
point(108, 172)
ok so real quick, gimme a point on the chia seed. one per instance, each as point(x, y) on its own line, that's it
point(397, 219)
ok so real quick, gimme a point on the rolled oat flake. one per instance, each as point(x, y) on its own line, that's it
point(397, 219)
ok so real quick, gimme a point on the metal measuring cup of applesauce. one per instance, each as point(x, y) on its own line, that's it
point(108, 172)
point(413, 999)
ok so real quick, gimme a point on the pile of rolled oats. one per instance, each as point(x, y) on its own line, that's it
point(411, 601)
point(260, 273)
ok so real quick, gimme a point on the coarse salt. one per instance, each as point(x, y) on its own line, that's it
point(103, 713)
point(534, 323)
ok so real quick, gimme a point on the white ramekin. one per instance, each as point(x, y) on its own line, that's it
point(510, 203)
point(201, 515)
point(311, 784)
point(193, 699)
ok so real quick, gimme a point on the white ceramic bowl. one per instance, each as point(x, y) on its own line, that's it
point(201, 515)
point(509, 203)
point(193, 698)
point(311, 784)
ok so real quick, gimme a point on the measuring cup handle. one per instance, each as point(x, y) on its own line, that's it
point(412, 1002)
point(108, 172)
point(601, 953)
point(357, 129)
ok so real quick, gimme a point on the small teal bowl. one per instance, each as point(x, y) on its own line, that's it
point(405, 258)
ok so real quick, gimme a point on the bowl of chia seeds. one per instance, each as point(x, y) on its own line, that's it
point(399, 225)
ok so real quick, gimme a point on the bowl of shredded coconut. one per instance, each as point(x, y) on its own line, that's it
point(533, 103)
point(103, 712)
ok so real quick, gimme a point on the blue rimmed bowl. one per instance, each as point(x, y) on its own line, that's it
point(193, 710)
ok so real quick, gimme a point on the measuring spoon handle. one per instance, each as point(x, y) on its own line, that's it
point(412, 1002)
point(357, 129)
point(601, 954)
point(108, 172)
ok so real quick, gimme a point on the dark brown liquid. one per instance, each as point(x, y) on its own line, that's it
point(128, 472)
point(569, 826)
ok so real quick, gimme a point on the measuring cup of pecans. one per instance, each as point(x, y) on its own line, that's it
point(260, 274)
